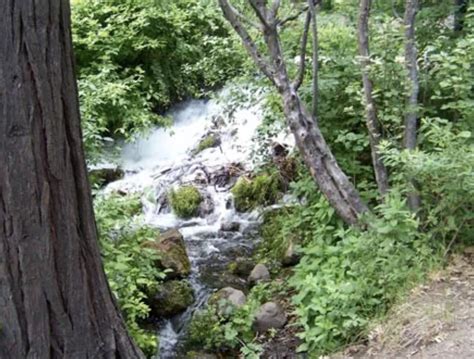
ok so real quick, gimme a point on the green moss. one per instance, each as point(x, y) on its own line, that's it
point(185, 201)
point(207, 142)
point(173, 297)
point(263, 190)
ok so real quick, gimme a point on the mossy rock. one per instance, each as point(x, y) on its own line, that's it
point(185, 201)
point(210, 141)
point(263, 190)
point(173, 297)
point(100, 177)
point(172, 253)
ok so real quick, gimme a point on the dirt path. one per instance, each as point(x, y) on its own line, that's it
point(435, 322)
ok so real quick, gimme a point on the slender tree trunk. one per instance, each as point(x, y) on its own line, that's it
point(460, 14)
point(314, 26)
point(332, 181)
point(373, 127)
point(411, 117)
point(54, 298)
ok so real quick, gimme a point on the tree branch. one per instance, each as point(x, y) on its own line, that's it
point(297, 15)
point(302, 66)
point(260, 10)
point(312, 11)
point(232, 16)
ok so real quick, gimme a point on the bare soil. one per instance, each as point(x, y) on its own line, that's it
point(435, 322)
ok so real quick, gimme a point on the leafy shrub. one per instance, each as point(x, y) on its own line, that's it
point(349, 277)
point(262, 190)
point(232, 329)
point(130, 267)
point(185, 201)
point(136, 58)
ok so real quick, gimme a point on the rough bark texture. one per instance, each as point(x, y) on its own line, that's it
point(332, 181)
point(314, 28)
point(411, 117)
point(54, 298)
point(373, 127)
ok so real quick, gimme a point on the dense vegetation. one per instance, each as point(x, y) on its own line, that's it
point(136, 58)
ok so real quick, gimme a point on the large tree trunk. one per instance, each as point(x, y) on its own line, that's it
point(331, 180)
point(54, 298)
point(373, 127)
point(460, 14)
point(411, 117)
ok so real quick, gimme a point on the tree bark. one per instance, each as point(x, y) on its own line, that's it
point(54, 298)
point(411, 117)
point(373, 127)
point(460, 14)
point(332, 181)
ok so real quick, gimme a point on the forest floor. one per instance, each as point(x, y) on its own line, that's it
point(436, 321)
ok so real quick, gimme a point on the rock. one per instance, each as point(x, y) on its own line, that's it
point(291, 256)
point(230, 227)
point(242, 267)
point(269, 316)
point(173, 256)
point(234, 296)
point(259, 274)
point(211, 140)
point(200, 355)
point(207, 206)
point(279, 150)
point(173, 297)
point(218, 280)
point(104, 176)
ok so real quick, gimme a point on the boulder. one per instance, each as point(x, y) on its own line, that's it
point(200, 355)
point(172, 297)
point(103, 176)
point(233, 296)
point(173, 256)
point(291, 257)
point(221, 279)
point(242, 267)
point(207, 205)
point(269, 316)
point(259, 274)
point(230, 227)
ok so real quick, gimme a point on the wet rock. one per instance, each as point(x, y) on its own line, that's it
point(291, 257)
point(173, 297)
point(173, 256)
point(200, 355)
point(207, 205)
point(226, 177)
point(230, 295)
point(269, 316)
point(219, 279)
point(210, 140)
point(259, 274)
point(230, 227)
point(242, 267)
point(279, 150)
point(103, 176)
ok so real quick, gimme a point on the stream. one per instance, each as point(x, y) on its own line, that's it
point(166, 159)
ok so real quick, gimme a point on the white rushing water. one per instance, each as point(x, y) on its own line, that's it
point(164, 160)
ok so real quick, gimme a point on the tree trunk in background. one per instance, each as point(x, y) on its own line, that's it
point(331, 180)
point(54, 298)
point(460, 14)
point(411, 117)
point(373, 127)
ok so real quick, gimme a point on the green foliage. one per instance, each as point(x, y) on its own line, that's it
point(349, 276)
point(130, 267)
point(264, 189)
point(135, 58)
point(444, 171)
point(185, 201)
point(216, 330)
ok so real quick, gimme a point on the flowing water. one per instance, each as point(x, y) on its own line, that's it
point(165, 160)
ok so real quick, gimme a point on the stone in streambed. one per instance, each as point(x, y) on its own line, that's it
point(173, 297)
point(241, 267)
point(103, 176)
point(230, 227)
point(259, 274)
point(172, 252)
point(227, 299)
point(269, 316)
point(291, 257)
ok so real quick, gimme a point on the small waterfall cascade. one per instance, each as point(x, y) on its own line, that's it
point(167, 159)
